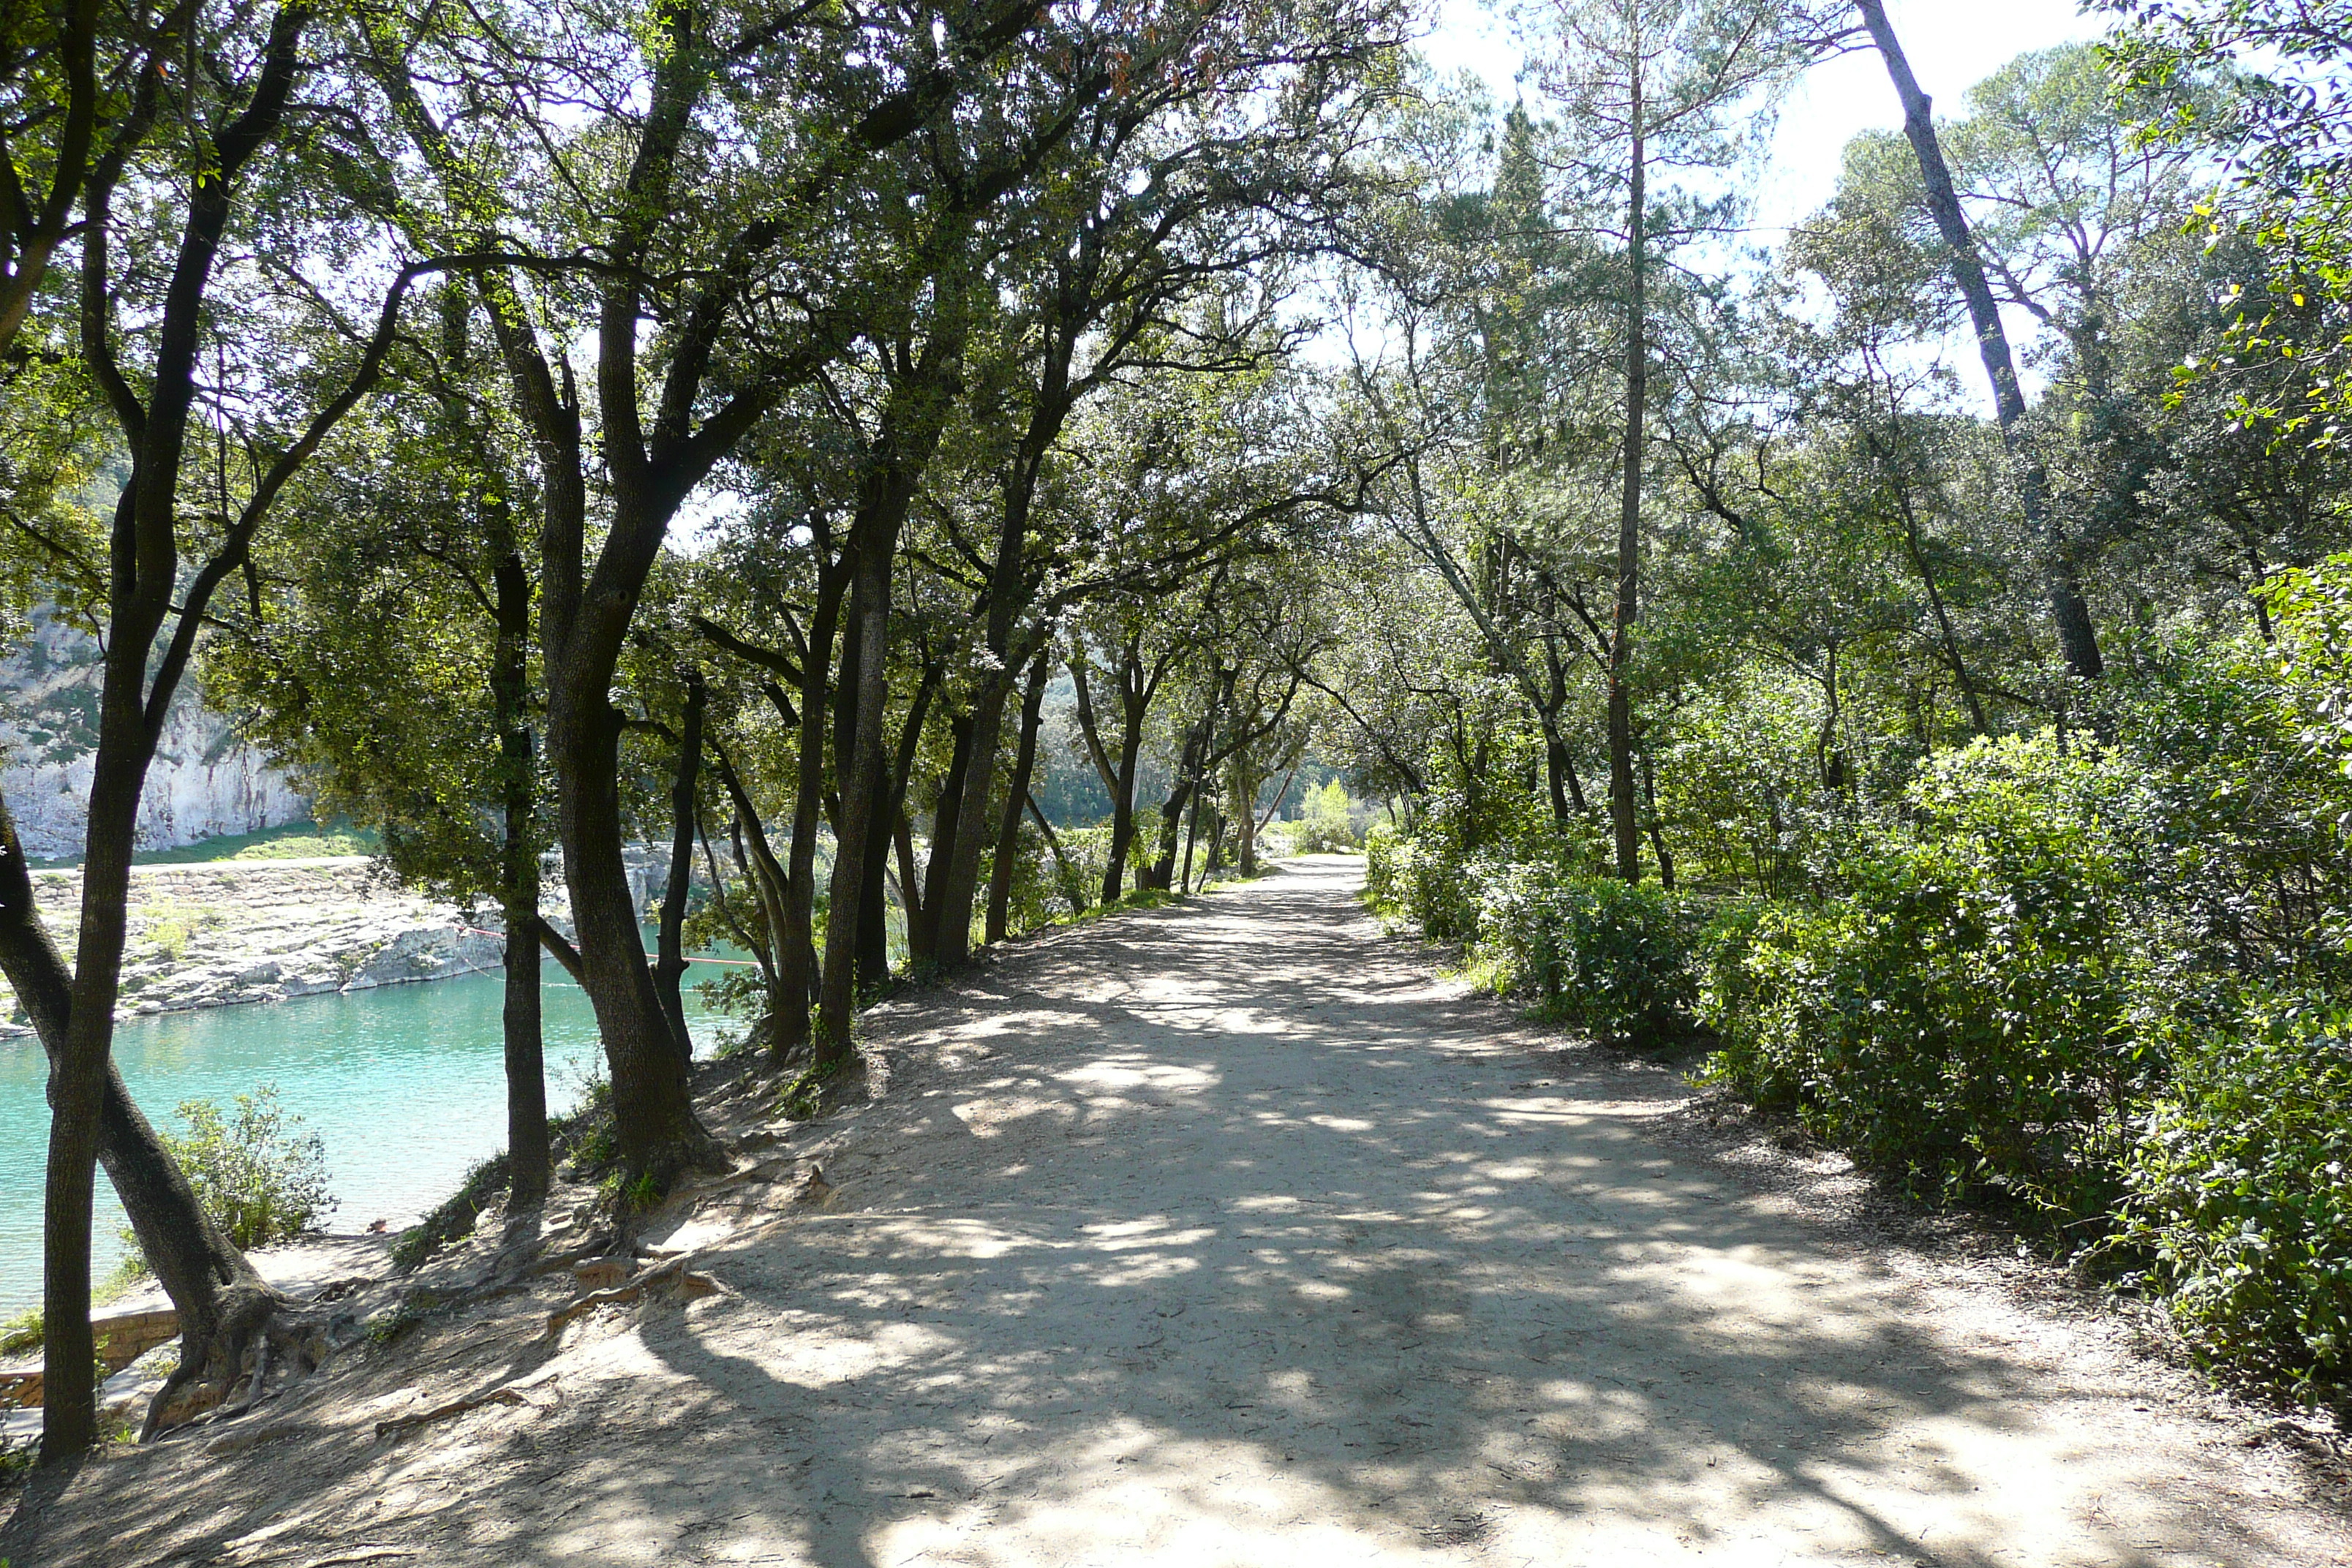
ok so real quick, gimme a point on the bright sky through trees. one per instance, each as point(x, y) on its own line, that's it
point(1952, 47)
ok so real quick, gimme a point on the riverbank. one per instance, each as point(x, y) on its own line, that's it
point(220, 933)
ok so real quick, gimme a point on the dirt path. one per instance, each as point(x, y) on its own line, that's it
point(1228, 1234)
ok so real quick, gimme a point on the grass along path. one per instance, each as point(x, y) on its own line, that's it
point(1229, 1232)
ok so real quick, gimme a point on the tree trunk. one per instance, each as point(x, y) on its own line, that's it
point(1172, 811)
point(757, 857)
point(1008, 830)
point(1117, 779)
point(796, 945)
point(1623, 812)
point(874, 905)
point(915, 414)
point(1657, 828)
point(530, 1162)
point(956, 882)
point(926, 932)
point(868, 646)
point(78, 1078)
point(199, 1269)
point(653, 1108)
point(2077, 637)
point(685, 806)
point(1192, 832)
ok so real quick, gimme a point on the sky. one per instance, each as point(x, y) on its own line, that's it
point(1952, 45)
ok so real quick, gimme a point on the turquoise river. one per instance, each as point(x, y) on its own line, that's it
point(403, 1084)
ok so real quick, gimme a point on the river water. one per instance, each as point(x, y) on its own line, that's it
point(405, 1086)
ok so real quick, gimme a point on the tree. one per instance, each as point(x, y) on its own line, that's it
point(2068, 611)
point(402, 572)
point(200, 147)
point(1646, 83)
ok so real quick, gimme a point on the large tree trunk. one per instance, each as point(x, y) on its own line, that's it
point(529, 1162)
point(685, 805)
point(1624, 811)
point(78, 1077)
point(653, 1109)
point(2077, 637)
point(1008, 828)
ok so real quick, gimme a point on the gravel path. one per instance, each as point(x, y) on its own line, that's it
point(1229, 1234)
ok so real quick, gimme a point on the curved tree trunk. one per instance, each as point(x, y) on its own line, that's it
point(207, 1278)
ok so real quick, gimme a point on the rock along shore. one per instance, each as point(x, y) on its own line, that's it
point(216, 933)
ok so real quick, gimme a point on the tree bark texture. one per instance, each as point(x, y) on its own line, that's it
point(530, 1161)
point(796, 961)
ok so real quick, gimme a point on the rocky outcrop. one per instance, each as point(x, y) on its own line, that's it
point(204, 782)
point(211, 935)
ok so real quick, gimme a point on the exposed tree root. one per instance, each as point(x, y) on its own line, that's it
point(673, 1273)
point(506, 1393)
point(223, 1376)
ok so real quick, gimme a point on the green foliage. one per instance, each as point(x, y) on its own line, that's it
point(1597, 954)
point(583, 1135)
point(1324, 824)
point(1592, 951)
point(260, 1176)
point(1961, 1015)
point(292, 841)
point(22, 1332)
point(2237, 1192)
point(802, 1097)
point(1040, 893)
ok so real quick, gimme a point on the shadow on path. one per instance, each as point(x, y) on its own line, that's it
point(1225, 1233)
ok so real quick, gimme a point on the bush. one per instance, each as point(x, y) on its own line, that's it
point(260, 1178)
point(1963, 1016)
point(2239, 1194)
point(1600, 954)
point(1592, 950)
point(1326, 824)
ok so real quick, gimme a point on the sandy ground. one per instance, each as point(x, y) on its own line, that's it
point(1230, 1234)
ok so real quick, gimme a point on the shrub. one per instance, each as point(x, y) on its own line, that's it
point(1593, 952)
point(259, 1177)
point(1324, 824)
point(2239, 1193)
point(1964, 1015)
point(1597, 954)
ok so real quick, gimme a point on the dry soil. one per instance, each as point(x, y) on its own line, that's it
point(1232, 1233)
